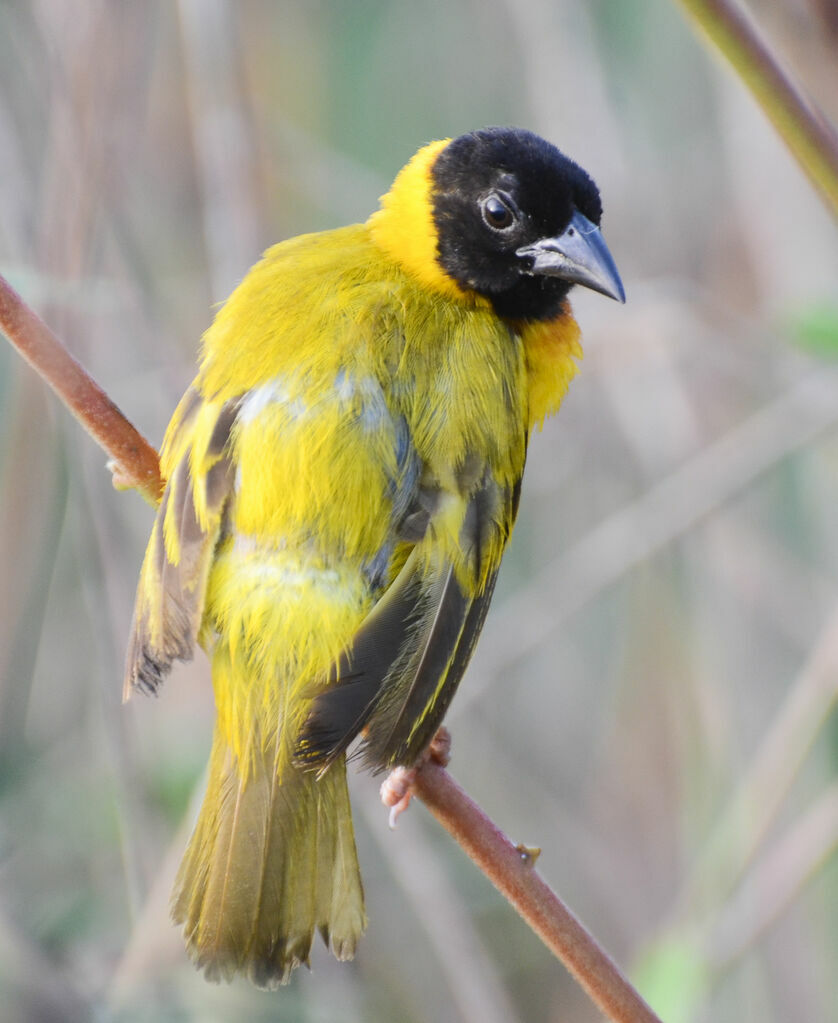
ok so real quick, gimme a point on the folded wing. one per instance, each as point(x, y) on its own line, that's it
point(399, 676)
point(170, 596)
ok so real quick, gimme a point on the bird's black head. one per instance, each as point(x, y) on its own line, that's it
point(518, 222)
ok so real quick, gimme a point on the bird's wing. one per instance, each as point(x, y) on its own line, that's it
point(406, 660)
point(170, 596)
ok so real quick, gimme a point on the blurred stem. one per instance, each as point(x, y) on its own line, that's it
point(804, 129)
point(775, 881)
point(226, 164)
point(634, 532)
point(510, 869)
point(136, 464)
point(153, 944)
point(475, 986)
point(38, 531)
point(754, 806)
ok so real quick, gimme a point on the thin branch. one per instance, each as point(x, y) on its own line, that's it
point(136, 463)
point(222, 137)
point(510, 869)
point(804, 128)
point(154, 945)
point(774, 767)
point(776, 881)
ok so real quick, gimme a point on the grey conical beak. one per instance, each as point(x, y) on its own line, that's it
point(578, 255)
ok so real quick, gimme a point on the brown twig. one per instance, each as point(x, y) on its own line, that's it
point(804, 128)
point(136, 462)
point(510, 869)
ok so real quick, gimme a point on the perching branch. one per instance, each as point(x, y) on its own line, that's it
point(135, 461)
point(510, 869)
point(804, 128)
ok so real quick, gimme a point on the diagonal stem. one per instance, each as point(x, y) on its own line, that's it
point(804, 128)
point(136, 462)
point(510, 869)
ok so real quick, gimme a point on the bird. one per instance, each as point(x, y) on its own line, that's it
point(343, 476)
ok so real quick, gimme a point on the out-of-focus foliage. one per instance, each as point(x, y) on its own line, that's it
point(816, 328)
point(653, 701)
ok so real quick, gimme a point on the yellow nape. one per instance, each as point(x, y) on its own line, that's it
point(404, 226)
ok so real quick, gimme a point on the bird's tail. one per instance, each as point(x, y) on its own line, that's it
point(271, 860)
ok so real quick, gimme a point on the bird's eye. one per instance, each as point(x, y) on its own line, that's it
point(497, 212)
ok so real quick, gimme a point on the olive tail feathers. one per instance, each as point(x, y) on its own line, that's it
point(271, 860)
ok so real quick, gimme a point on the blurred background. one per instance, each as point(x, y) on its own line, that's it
point(652, 702)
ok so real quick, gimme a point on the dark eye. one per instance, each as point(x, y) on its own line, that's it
point(497, 212)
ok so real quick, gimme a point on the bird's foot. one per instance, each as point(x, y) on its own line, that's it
point(397, 787)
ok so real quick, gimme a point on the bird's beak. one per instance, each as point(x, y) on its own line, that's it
point(578, 255)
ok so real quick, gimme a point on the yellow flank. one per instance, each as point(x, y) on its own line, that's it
point(282, 617)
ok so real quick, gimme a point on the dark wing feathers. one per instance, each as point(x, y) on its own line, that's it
point(409, 655)
point(344, 709)
point(170, 597)
point(424, 671)
point(427, 725)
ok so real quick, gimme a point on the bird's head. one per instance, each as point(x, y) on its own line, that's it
point(502, 214)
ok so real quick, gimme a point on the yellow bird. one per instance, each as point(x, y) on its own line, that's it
point(343, 476)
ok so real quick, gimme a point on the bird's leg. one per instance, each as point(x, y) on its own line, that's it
point(397, 787)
